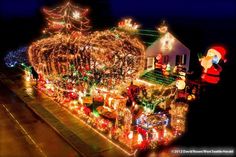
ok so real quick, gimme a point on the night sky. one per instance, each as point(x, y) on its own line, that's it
point(149, 13)
point(147, 8)
point(197, 23)
point(204, 22)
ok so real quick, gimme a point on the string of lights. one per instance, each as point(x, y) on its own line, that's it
point(16, 57)
point(95, 75)
point(66, 18)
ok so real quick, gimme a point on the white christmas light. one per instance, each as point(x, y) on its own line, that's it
point(140, 139)
point(167, 42)
point(76, 15)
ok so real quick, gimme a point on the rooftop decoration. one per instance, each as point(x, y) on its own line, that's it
point(128, 25)
point(167, 53)
point(163, 28)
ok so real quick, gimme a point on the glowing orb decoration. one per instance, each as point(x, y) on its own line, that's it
point(180, 84)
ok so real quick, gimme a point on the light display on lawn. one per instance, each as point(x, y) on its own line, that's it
point(96, 76)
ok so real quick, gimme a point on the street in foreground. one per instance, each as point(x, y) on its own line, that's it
point(22, 133)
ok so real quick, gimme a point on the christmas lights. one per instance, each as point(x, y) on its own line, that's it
point(16, 57)
point(210, 63)
point(66, 18)
point(96, 76)
point(128, 25)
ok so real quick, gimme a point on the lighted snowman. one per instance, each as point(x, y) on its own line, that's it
point(180, 82)
point(210, 63)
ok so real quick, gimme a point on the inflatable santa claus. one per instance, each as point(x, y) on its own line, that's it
point(210, 63)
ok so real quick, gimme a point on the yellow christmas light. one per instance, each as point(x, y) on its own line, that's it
point(128, 25)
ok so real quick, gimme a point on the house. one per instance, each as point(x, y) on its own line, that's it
point(167, 50)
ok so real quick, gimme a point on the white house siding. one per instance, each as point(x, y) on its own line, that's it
point(177, 49)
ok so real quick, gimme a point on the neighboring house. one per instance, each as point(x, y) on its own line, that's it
point(171, 50)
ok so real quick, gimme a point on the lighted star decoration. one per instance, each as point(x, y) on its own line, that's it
point(76, 15)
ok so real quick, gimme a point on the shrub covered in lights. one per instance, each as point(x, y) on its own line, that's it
point(16, 57)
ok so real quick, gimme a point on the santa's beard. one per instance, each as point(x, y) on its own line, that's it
point(206, 63)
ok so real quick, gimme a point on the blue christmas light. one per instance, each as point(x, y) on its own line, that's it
point(15, 57)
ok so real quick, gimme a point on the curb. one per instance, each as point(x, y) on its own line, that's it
point(81, 153)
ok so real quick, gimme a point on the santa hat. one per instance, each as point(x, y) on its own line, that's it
point(219, 51)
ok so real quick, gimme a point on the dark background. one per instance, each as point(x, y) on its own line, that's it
point(199, 24)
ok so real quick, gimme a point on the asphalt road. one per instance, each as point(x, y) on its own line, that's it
point(23, 134)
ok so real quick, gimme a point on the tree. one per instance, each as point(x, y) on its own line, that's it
point(66, 18)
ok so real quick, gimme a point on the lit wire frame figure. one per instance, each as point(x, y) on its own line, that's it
point(66, 19)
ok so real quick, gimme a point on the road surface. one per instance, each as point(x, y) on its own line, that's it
point(23, 134)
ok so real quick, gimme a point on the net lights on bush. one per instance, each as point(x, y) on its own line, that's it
point(16, 57)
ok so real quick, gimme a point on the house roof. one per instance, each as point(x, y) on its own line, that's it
point(156, 47)
point(148, 36)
